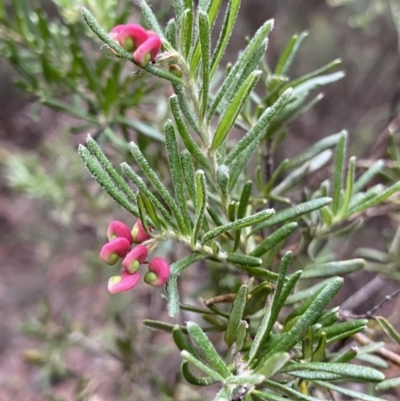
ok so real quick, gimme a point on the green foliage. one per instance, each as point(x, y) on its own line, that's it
point(263, 235)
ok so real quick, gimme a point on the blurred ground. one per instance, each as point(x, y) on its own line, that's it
point(48, 259)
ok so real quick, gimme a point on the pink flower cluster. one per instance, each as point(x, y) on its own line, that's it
point(145, 45)
point(119, 246)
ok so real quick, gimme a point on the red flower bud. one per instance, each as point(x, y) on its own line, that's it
point(138, 233)
point(134, 258)
point(148, 50)
point(118, 247)
point(131, 36)
point(118, 229)
point(121, 283)
point(158, 273)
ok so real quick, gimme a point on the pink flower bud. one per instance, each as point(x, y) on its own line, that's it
point(121, 283)
point(158, 273)
point(118, 247)
point(148, 50)
point(131, 36)
point(138, 233)
point(118, 229)
point(134, 258)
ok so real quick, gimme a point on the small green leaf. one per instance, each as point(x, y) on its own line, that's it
point(274, 364)
point(190, 144)
point(342, 330)
point(223, 179)
point(241, 335)
point(244, 260)
point(172, 285)
point(196, 381)
point(188, 174)
point(252, 138)
point(249, 380)
point(201, 202)
point(346, 356)
point(181, 341)
point(144, 212)
point(368, 176)
point(188, 357)
point(294, 212)
point(212, 356)
point(176, 174)
point(345, 370)
point(289, 53)
point(170, 32)
point(387, 384)
point(349, 187)
point(330, 269)
point(236, 315)
point(347, 392)
point(275, 238)
point(305, 294)
point(228, 119)
point(238, 224)
point(241, 212)
point(388, 329)
point(205, 39)
point(338, 169)
point(229, 21)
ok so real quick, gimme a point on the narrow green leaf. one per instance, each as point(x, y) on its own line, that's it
point(229, 22)
point(212, 356)
point(349, 186)
point(368, 176)
point(176, 174)
point(189, 27)
point(243, 260)
point(275, 238)
point(345, 370)
point(236, 315)
point(105, 181)
point(145, 210)
point(160, 326)
point(289, 53)
point(288, 391)
point(294, 212)
point(143, 188)
point(205, 39)
point(240, 64)
point(241, 335)
point(179, 8)
point(196, 381)
point(347, 392)
point(274, 364)
point(307, 319)
point(181, 340)
point(257, 298)
point(272, 311)
point(387, 384)
point(188, 357)
point(95, 150)
point(238, 224)
point(374, 361)
point(291, 180)
point(338, 168)
point(188, 174)
point(190, 144)
point(305, 294)
point(346, 356)
point(275, 175)
point(374, 201)
point(255, 134)
point(319, 354)
point(343, 328)
point(223, 179)
point(388, 329)
point(201, 202)
point(172, 285)
point(330, 269)
point(241, 212)
point(314, 150)
point(153, 178)
point(170, 32)
point(228, 119)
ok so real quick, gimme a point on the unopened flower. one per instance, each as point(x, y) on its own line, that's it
point(176, 70)
point(148, 50)
point(129, 36)
point(118, 229)
point(158, 273)
point(121, 283)
point(139, 235)
point(134, 258)
point(118, 247)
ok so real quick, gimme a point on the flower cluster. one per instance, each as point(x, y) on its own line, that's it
point(121, 239)
point(145, 45)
